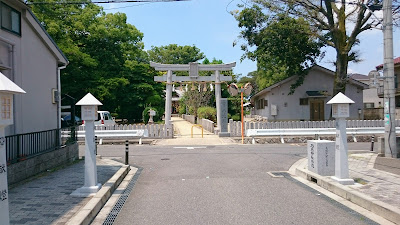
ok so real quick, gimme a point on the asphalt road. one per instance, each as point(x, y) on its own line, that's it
point(224, 185)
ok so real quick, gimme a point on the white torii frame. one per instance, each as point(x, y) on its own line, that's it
point(194, 77)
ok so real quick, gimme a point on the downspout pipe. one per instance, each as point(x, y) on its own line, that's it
point(59, 68)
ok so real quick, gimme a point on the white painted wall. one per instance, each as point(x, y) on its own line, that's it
point(35, 71)
point(316, 80)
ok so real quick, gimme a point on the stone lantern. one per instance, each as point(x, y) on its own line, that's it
point(151, 114)
point(341, 110)
point(89, 114)
point(7, 91)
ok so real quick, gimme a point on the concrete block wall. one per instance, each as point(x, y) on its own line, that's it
point(32, 166)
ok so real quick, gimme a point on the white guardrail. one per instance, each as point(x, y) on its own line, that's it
point(314, 132)
point(105, 134)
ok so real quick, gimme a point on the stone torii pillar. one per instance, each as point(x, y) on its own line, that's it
point(168, 95)
point(193, 77)
point(218, 98)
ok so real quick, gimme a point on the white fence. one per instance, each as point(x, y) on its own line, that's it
point(235, 126)
point(154, 130)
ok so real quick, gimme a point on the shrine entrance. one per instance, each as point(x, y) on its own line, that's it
point(193, 77)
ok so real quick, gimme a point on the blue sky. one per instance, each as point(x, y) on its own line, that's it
point(207, 25)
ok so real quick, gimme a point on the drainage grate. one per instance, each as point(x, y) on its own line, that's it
point(122, 199)
point(278, 174)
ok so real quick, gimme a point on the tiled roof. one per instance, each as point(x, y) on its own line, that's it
point(396, 62)
point(357, 76)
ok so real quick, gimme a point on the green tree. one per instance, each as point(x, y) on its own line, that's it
point(105, 53)
point(285, 46)
point(175, 54)
point(331, 21)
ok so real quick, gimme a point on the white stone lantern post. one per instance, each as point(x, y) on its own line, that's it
point(151, 114)
point(341, 110)
point(89, 114)
point(7, 91)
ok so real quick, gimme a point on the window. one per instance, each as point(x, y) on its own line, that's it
point(10, 19)
point(369, 105)
point(265, 103)
point(6, 107)
point(303, 101)
point(260, 104)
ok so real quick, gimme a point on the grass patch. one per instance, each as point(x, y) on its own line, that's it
point(360, 181)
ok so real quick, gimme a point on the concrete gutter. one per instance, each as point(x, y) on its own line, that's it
point(378, 207)
point(88, 212)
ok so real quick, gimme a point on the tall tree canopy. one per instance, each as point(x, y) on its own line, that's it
point(106, 56)
point(175, 54)
point(338, 24)
point(285, 46)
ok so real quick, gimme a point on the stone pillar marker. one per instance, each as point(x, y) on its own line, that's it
point(89, 114)
point(340, 110)
point(7, 91)
point(224, 118)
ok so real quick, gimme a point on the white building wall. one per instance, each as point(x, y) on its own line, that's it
point(289, 107)
point(370, 95)
point(35, 71)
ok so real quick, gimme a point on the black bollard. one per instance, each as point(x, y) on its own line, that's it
point(126, 152)
point(372, 143)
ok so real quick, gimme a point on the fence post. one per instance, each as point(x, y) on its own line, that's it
point(372, 143)
point(126, 152)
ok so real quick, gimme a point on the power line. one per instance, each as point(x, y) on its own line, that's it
point(99, 2)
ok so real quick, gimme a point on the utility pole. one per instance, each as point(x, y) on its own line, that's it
point(389, 86)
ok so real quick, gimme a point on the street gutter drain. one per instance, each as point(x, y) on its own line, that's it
point(277, 174)
point(312, 179)
point(122, 199)
point(165, 159)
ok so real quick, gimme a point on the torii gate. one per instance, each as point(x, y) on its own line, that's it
point(193, 77)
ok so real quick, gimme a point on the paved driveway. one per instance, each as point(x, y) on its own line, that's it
point(223, 185)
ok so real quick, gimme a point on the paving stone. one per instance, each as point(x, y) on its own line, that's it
point(381, 185)
point(32, 204)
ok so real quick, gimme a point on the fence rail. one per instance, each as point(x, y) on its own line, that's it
point(314, 132)
point(22, 146)
point(235, 126)
point(154, 130)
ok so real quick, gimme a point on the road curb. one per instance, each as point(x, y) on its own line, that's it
point(380, 208)
point(88, 212)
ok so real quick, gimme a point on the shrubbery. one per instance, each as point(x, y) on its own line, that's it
point(236, 117)
point(146, 116)
point(209, 113)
